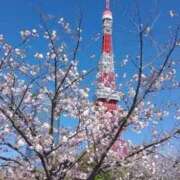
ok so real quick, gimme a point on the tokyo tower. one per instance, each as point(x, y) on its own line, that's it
point(106, 93)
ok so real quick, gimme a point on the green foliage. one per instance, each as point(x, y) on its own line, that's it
point(104, 176)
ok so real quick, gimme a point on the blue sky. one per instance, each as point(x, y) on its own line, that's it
point(22, 14)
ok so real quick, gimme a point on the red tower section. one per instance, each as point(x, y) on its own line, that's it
point(107, 43)
point(106, 94)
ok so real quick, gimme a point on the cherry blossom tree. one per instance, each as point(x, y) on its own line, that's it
point(38, 87)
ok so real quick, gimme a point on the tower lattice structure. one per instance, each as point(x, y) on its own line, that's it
point(106, 93)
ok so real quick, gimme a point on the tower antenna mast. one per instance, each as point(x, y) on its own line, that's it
point(107, 4)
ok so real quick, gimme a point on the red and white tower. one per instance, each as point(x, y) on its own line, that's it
point(106, 86)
